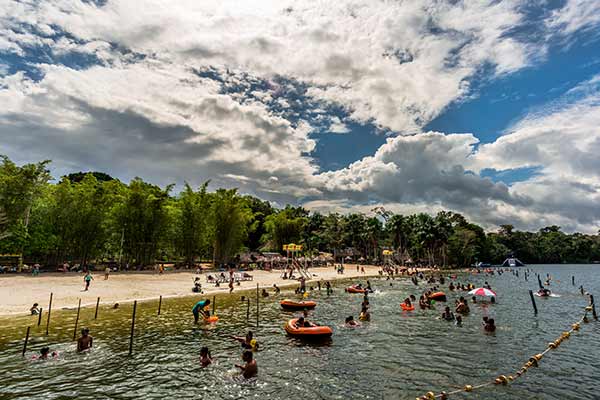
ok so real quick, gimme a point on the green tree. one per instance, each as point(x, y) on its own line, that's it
point(229, 220)
point(192, 223)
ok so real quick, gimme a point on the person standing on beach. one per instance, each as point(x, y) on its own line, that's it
point(88, 278)
point(106, 273)
point(199, 308)
point(86, 340)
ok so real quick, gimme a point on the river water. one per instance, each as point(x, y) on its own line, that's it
point(399, 355)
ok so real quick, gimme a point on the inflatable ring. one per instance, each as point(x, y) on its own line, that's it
point(354, 289)
point(307, 332)
point(406, 307)
point(438, 296)
point(292, 305)
point(212, 319)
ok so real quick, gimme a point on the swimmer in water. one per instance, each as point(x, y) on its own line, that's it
point(205, 357)
point(250, 369)
point(277, 290)
point(264, 293)
point(86, 341)
point(351, 322)
point(199, 309)
point(489, 325)
point(34, 309)
point(462, 307)
point(45, 353)
point(447, 315)
point(247, 342)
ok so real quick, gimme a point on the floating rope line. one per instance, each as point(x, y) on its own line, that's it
point(504, 379)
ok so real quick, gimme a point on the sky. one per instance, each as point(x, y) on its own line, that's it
point(487, 108)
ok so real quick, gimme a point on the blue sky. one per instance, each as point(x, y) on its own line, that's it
point(485, 108)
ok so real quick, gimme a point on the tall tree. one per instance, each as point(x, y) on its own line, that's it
point(229, 221)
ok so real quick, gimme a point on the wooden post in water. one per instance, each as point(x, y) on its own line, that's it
point(247, 309)
point(26, 340)
point(97, 304)
point(77, 320)
point(540, 282)
point(40, 317)
point(214, 304)
point(159, 303)
point(49, 311)
point(132, 328)
point(593, 306)
point(533, 301)
point(257, 301)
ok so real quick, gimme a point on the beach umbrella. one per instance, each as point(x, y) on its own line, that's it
point(485, 292)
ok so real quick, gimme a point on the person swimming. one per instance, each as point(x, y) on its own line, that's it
point(45, 354)
point(489, 325)
point(458, 321)
point(205, 357)
point(199, 309)
point(462, 307)
point(351, 322)
point(86, 340)
point(250, 369)
point(264, 293)
point(34, 310)
point(248, 342)
point(447, 314)
point(277, 290)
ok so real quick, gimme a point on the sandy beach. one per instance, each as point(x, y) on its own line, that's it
point(18, 293)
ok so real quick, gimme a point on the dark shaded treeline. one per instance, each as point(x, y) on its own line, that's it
point(91, 216)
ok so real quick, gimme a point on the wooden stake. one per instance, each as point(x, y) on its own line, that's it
point(159, 303)
point(49, 312)
point(573, 280)
point(593, 306)
point(247, 308)
point(214, 302)
point(77, 320)
point(257, 301)
point(533, 302)
point(26, 340)
point(40, 317)
point(132, 328)
point(97, 304)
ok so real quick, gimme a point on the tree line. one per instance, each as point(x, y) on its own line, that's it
point(87, 217)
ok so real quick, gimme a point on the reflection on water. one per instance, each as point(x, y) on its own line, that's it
point(399, 355)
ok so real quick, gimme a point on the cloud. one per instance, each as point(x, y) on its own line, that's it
point(337, 126)
point(232, 92)
point(575, 15)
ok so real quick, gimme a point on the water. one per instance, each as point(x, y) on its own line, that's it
point(398, 355)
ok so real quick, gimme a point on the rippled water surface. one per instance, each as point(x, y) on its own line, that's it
point(398, 355)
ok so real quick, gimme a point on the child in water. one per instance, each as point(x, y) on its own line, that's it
point(247, 342)
point(34, 309)
point(351, 322)
point(250, 369)
point(205, 357)
point(45, 353)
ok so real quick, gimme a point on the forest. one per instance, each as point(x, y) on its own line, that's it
point(91, 217)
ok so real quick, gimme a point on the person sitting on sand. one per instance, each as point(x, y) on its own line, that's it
point(205, 357)
point(248, 342)
point(34, 310)
point(199, 308)
point(250, 369)
point(447, 314)
point(462, 307)
point(86, 340)
point(351, 322)
point(264, 293)
point(489, 325)
point(277, 290)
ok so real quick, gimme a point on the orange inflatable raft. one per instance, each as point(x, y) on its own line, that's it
point(406, 307)
point(292, 305)
point(355, 289)
point(211, 319)
point(307, 332)
point(438, 296)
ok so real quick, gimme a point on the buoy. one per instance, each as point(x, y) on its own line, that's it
point(501, 380)
point(468, 388)
point(443, 396)
point(575, 327)
point(538, 357)
point(430, 396)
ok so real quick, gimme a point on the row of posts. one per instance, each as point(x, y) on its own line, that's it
point(132, 333)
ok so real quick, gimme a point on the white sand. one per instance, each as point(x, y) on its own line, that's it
point(18, 293)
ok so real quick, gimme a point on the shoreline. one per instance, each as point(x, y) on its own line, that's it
point(18, 293)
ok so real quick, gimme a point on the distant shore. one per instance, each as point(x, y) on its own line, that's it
point(19, 292)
